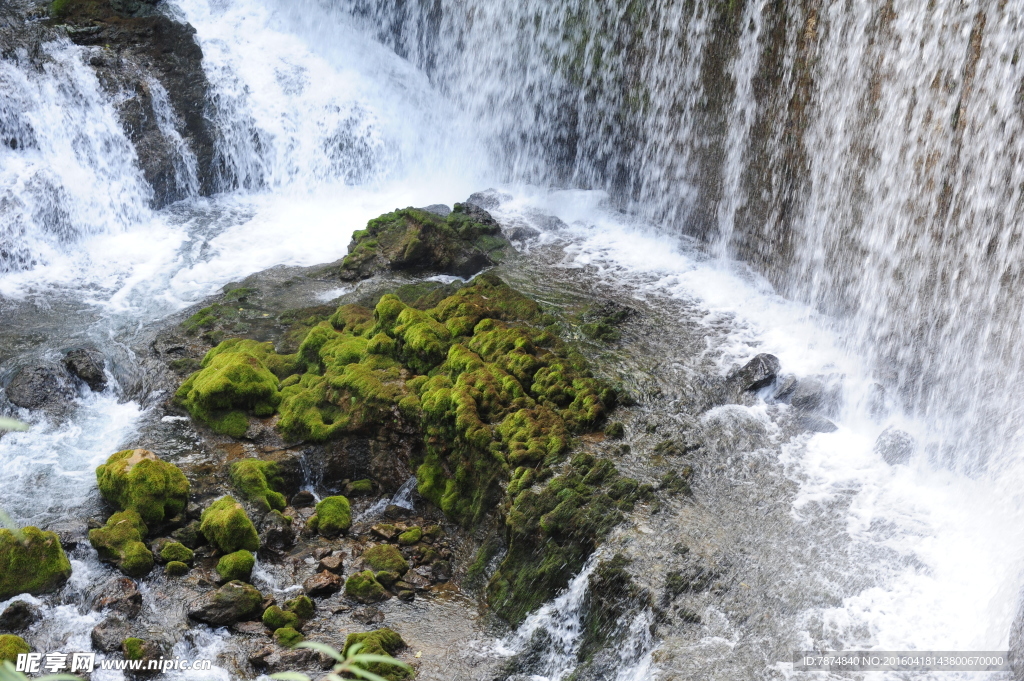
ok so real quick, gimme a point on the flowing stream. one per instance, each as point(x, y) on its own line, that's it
point(837, 184)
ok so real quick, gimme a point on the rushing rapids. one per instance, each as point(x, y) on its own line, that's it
point(837, 185)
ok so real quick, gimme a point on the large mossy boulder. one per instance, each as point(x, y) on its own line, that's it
point(236, 566)
point(120, 542)
point(232, 602)
point(136, 480)
point(237, 379)
point(31, 561)
point(464, 242)
point(259, 482)
point(11, 646)
point(384, 642)
point(333, 517)
point(227, 527)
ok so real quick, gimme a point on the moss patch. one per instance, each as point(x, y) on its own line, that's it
point(385, 557)
point(302, 606)
point(410, 536)
point(175, 568)
point(120, 542)
point(32, 563)
point(260, 482)
point(175, 551)
point(380, 642)
point(135, 479)
point(288, 637)
point(276, 617)
point(227, 527)
point(364, 587)
point(132, 648)
point(11, 646)
point(333, 516)
point(237, 565)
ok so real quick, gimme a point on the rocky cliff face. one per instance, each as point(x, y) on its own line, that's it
point(151, 65)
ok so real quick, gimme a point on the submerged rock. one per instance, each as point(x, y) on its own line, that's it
point(88, 366)
point(232, 602)
point(461, 243)
point(19, 616)
point(31, 562)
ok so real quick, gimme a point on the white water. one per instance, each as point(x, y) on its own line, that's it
point(322, 128)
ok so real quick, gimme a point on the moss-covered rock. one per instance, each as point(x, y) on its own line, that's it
point(176, 552)
point(333, 517)
point(302, 606)
point(359, 488)
point(133, 648)
point(136, 480)
point(237, 565)
point(120, 542)
point(232, 602)
point(462, 243)
point(386, 557)
point(364, 587)
point(175, 568)
point(260, 482)
point(410, 536)
point(288, 637)
point(380, 642)
point(11, 646)
point(32, 562)
point(226, 526)
point(552, 532)
point(237, 379)
point(615, 430)
point(276, 617)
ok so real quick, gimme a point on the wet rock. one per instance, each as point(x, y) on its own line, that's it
point(274, 660)
point(809, 393)
point(322, 584)
point(303, 499)
point(122, 597)
point(815, 423)
point(385, 531)
point(277, 533)
point(441, 571)
point(19, 616)
point(107, 635)
point(406, 595)
point(332, 563)
point(145, 650)
point(785, 389)
point(369, 615)
point(394, 511)
point(39, 387)
point(418, 581)
point(437, 209)
point(461, 244)
point(88, 366)
point(189, 535)
point(232, 602)
point(488, 199)
point(895, 446)
point(757, 373)
point(71, 533)
point(250, 628)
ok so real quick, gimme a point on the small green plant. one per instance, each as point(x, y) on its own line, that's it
point(352, 662)
point(8, 672)
point(12, 424)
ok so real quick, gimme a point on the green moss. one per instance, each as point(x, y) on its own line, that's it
point(360, 488)
point(133, 648)
point(259, 481)
point(364, 587)
point(174, 551)
point(276, 618)
point(302, 606)
point(137, 480)
point(333, 516)
point(120, 542)
point(227, 527)
point(32, 563)
point(288, 637)
point(175, 568)
point(387, 579)
point(386, 557)
point(11, 646)
point(236, 566)
point(615, 430)
point(236, 379)
point(384, 642)
point(410, 536)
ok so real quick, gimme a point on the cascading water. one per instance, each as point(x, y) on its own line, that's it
point(863, 157)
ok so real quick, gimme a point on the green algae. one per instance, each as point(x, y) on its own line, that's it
point(139, 481)
point(31, 562)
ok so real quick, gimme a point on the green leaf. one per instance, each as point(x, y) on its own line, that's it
point(13, 424)
point(363, 674)
point(290, 676)
point(367, 658)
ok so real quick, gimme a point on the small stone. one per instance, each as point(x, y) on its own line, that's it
point(251, 628)
point(407, 595)
point(369, 615)
point(418, 581)
point(331, 563)
point(394, 511)
point(322, 584)
point(321, 551)
point(385, 531)
point(19, 615)
point(232, 602)
point(303, 499)
point(441, 571)
point(815, 423)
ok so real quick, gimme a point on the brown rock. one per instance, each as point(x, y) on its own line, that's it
point(322, 584)
point(332, 563)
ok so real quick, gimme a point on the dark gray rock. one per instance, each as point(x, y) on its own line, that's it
point(895, 446)
point(303, 499)
point(438, 209)
point(108, 634)
point(39, 387)
point(71, 533)
point(369, 615)
point(88, 366)
point(757, 373)
point(120, 596)
point(19, 616)
point(521, 232)
point(276, 532)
